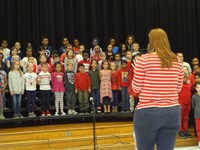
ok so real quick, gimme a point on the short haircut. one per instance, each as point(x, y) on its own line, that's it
point(124, 62)
point(44, 64)
point(44, 37)
point(81, 65)
point(2, 54)
point(198, 83)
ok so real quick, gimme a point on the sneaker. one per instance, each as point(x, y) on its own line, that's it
point(81, 112)
point(86, 112)
point(182, 135)
point(56, 114)
point(199, 144)
point(70, 112)
point(187, 135)
point(2, 117)
point(99, 109)
point(33, 114)
point(74, 112)
point(43, 113)
point(48, 113)
point(20, 116)
point(30, 115)
point(15, 116)
point(63, 114)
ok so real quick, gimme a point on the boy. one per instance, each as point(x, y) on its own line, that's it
point(128, 59)
point(135, 48)
point(63, 48)
point(123, 81)
point(44, 79)
point(82, 88)
point(85, 61)
point(117, 58)
point(56, 59)
point(70, 90)
point(46, 47)
point(196, 107)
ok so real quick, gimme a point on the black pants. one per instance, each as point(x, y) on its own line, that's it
point(45, 99)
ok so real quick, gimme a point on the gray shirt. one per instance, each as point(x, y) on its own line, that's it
point(16, 82)
point(196, 105)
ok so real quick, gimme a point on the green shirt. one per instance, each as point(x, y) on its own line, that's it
point(94, 78)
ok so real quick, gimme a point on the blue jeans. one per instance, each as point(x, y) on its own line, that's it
point(158, 126)
point(96, 96)
point(31, 100)
point(115, 98)
point(125, 98)
point(17, 103)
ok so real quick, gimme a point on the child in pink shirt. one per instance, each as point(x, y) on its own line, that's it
point(58, 88)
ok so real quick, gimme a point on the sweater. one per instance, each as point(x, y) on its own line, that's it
point(94, 78)
point(82, 81)
point(196, 105)
point(158, 87)
point(16, 82)
point(123, 77)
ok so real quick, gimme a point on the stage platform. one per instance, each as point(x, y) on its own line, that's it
point(109, 131)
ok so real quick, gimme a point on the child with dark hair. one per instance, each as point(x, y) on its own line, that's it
point(122, 50)
point(109, 53)
point(95, 84)
point(96, 54)
point(195, 61)
point(95, 42)
point(117, 60)
point(43, 60)
point(56, 59)
point(63, 48)
point(82, 88)
point(17, 45)
point(129, 42)
point(123, 81)
point(112, 41)
point(45, 46)
point(6, 50)
point(85, 61)
point(105, 86)
point(79, 56)
point(57, 81)
point(196, 107)
point(51, 58)
point(76, 45)
point(70, 59)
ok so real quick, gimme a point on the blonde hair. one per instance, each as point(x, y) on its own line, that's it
point(12, 68)
point(159, 43)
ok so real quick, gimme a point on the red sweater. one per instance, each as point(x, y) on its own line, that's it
point(86, 64)
point(123, 77)
point(82, 81)
point(158, 87)
point(185, 95)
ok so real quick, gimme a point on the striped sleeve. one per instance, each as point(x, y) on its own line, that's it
point(180, 79)
point(139, 73)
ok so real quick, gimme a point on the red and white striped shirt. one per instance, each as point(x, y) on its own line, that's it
point(157, 87)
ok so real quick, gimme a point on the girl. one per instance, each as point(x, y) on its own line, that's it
point(129, 42)
point(6, 51)
point(122, 50)
point(57, 80)
point(3, 85)
point(13, 52)
point(105, 86)
point(30, 79)
point(103, 58)
point(95, 84)
point(185, 102)
point(70, 58)
point(16, 87)
point(115, 86)
point(109, 53)
point(43, 59)
point(112, 41)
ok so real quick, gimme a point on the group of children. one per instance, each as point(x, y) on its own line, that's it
point(102, 76)
point(72, 73)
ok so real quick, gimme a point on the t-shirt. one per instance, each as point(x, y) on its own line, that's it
point(45, 79)
point(2, 76)
point(30, 81)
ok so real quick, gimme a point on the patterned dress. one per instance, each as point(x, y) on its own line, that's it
point(105, 86)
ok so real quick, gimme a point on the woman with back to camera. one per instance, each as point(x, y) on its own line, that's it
point(158, 79)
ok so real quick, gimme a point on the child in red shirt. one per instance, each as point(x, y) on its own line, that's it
point(82, 88)
point(85, 61)
point(185, 102)
point(123, 81)
point(115, 86)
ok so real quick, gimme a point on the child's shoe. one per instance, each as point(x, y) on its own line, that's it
point(56, 114)
point(15, 116)
point(86, 112)
point(74, 112)
point(48, 113)
point(2, 117)
point(30, 115)
point(70, 112)
point(33, 114)
point(99, 109)
point(182, 135)
point(81, 112)
point(187, 135)
point(63, 114)
point(20, 116)
point(43, 113)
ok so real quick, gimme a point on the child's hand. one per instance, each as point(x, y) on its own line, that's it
point(120, 88)
point(76, 91)
point(11, 93)
point(89, 90)
point(22, 92)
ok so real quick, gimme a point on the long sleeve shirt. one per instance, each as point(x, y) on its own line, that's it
point(158, 87)
point(16, 82)
point(196, 105)
point(82, 81)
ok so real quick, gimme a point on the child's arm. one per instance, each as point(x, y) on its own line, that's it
point(8, 63)
point(10, 83)
point(22, 85)
point(193, 102)
point(5, 83)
